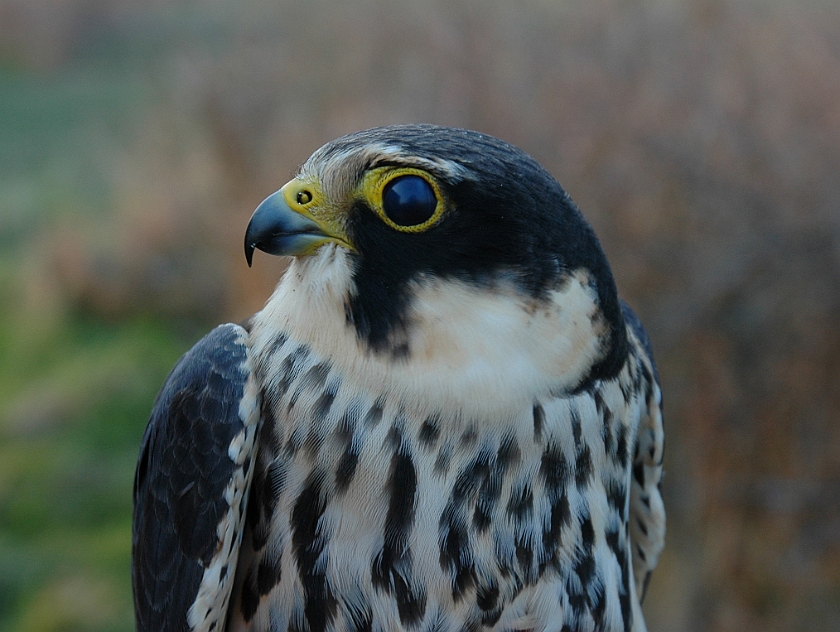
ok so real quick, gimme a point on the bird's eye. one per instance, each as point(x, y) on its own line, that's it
point(409, 200)
point(303, 197)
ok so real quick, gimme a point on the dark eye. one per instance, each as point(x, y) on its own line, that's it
point(409, 200)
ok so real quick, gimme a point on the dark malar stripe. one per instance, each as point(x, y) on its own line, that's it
point(307, 545)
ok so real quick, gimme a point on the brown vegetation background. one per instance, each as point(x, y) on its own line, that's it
point(701, 138)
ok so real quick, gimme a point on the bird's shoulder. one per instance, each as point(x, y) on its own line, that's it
point(191, 478)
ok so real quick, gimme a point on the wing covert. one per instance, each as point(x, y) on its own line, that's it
point(647, 510)
point(191, 486)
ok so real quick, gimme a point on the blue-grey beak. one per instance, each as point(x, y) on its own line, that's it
point(278, 230)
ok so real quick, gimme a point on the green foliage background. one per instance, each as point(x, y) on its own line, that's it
point(76, 381)
point(701, 138)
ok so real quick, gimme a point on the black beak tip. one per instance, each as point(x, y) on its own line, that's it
point(249, 252)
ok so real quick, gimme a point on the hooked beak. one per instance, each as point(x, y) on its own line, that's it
point(280, 228)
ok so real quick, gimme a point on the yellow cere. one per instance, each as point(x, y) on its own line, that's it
point(305, 198)
point(374, 183)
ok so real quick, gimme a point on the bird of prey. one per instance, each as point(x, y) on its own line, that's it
point(443, 420)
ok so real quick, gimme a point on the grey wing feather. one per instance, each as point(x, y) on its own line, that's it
point(647, 511)
point(191, 486)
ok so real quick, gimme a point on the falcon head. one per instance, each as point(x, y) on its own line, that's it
point(409, 207)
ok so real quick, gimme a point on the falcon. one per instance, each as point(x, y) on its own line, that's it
point(443, 420)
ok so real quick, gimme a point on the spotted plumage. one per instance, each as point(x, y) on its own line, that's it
point(444, 419)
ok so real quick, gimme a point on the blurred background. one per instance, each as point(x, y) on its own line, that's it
point(700, 137)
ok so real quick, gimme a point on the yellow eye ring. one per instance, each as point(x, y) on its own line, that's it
point(406, 199)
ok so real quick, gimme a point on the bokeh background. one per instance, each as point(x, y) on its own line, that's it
point(700, 137)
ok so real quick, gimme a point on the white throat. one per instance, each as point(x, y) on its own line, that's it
point(483, 351)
